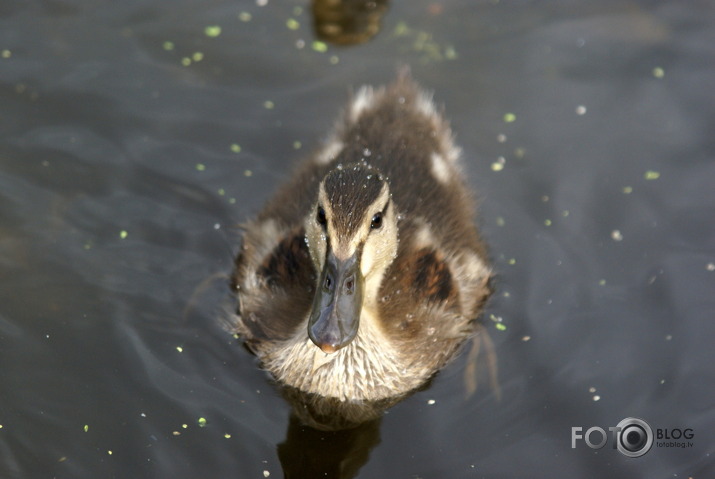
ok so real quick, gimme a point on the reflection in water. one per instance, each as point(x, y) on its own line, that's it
point(308, 452)
point(347, 22)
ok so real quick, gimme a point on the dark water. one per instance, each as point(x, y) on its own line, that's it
point(120, 192)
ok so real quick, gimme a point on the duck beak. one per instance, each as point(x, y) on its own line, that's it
point(335, 316)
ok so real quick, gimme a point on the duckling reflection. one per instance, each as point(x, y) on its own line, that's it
point(307, 452)
point(347, 22)
point(365, 273)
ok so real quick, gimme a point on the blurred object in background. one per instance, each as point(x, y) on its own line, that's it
point(347, 22)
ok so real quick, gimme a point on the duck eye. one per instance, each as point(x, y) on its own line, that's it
point(376, 221)
point(320, 217)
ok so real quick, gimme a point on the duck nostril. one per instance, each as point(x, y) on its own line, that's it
point(328, 282)
point(349, 286)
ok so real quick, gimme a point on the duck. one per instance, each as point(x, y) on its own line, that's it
point(365, 273)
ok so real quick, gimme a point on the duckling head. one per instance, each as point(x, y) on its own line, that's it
point(352, 238)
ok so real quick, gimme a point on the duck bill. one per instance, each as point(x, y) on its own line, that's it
point(335, 316)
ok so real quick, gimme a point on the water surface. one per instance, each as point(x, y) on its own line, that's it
point(134, 140)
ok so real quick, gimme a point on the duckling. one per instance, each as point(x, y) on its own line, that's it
point(365, 273)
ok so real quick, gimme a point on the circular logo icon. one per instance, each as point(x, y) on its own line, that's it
point(635, 437)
